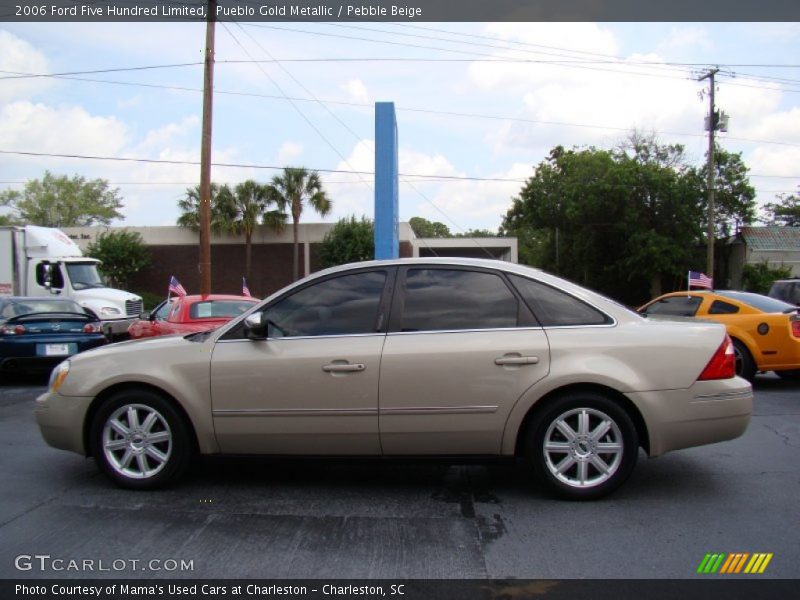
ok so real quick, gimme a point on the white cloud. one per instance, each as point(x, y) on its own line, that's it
point(356, 91)
point(64, 130)
point(289, 152)
point(18, 56)
point(165, 135)
point(687, 38)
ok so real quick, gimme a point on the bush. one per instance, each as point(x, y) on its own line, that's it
point(349, 241)
point(123, 254)
point(759, 278)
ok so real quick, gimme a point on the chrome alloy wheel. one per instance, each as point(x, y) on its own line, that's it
point(583, 447)
point(137, 441)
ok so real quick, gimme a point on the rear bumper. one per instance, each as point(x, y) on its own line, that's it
point(61, 420)
point(707, 412)
point(118, 326)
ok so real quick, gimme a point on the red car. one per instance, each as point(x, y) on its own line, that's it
point(189, 314)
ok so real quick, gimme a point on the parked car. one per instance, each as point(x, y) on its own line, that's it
point(765, 331)
point(189, 314)
point(38, 333)
point(405, 358)
point(787, 290)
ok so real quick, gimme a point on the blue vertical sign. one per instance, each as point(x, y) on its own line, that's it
point(387, 236)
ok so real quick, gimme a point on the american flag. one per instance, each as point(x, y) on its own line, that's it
point(245, 289)
point(175, 287)
point(700, 280)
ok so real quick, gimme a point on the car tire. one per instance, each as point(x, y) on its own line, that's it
point(582, 446)
point(140, 440)
point(791, 374)
point(745, 365)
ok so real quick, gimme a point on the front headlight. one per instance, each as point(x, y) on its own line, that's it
point(58, 376)
point(110, 310)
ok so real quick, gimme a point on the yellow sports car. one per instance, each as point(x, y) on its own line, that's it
point(765, 331)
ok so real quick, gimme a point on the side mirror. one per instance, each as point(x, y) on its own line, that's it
point(146, 316)
point(255, 326)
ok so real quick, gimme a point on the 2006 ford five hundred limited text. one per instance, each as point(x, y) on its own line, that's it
point(402, 358)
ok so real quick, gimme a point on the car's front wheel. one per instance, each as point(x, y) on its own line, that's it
point(140, 440)
point(582, 446)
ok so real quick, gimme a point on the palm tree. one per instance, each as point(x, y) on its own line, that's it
point(221, 210)
point(293, 189)
point(249, 204)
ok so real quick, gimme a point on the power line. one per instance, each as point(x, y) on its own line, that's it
point(97, 71)
point(406, 108)
point(248, 166)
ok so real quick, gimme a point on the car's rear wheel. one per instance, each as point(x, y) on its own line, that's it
point(582, 446)
point(140, 440)
point(745, 365)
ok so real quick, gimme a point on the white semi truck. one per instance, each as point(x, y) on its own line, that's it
point(39, 261)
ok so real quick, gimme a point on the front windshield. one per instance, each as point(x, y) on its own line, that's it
point(84, 276)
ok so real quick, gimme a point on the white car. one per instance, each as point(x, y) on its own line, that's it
point(403, 358)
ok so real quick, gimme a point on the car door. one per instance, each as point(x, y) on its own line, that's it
point(311, 387)
point(462, 348)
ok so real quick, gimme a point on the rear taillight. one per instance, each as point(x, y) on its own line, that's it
point(722, 365)
point(93, 328)
point(12, 330)
point(795, 319)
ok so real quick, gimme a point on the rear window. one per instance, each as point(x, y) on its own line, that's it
point(675, 306)
point(219, 309)
point(554, 308)
point(32, 305)
point(762, 303)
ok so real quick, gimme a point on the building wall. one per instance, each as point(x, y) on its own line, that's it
point(776, 258)
point(271, 269)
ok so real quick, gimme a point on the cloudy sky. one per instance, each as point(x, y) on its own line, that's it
point(480, 103)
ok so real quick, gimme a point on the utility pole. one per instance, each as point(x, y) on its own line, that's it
point(205, 154)
point(712, 125)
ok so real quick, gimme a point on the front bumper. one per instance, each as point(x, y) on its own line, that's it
point(706, 413)
point(61, 420)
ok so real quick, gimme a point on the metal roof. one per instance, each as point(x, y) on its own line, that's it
point(772, 238)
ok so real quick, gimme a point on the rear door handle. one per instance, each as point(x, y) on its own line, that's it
point(516, 360)
point(344, 368)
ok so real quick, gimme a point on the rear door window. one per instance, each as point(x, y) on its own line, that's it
point(456, 300)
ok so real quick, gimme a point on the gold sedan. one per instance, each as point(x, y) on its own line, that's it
point(404, 358)
point(765, 331)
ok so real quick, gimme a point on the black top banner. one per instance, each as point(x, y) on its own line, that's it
point(401, 10)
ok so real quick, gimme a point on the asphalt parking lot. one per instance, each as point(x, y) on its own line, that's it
point(254, 518)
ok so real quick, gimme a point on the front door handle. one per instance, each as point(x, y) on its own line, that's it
point(344, 367)
point(516, 360)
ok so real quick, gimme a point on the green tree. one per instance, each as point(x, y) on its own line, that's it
point(123, 254)
point(429, 229)
point(61, 201)
point(734, 197)
point(618, 221)
point(222, 208)
point(248, 207)
point(350, 240)
point(785, 212)
point(291, 191)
